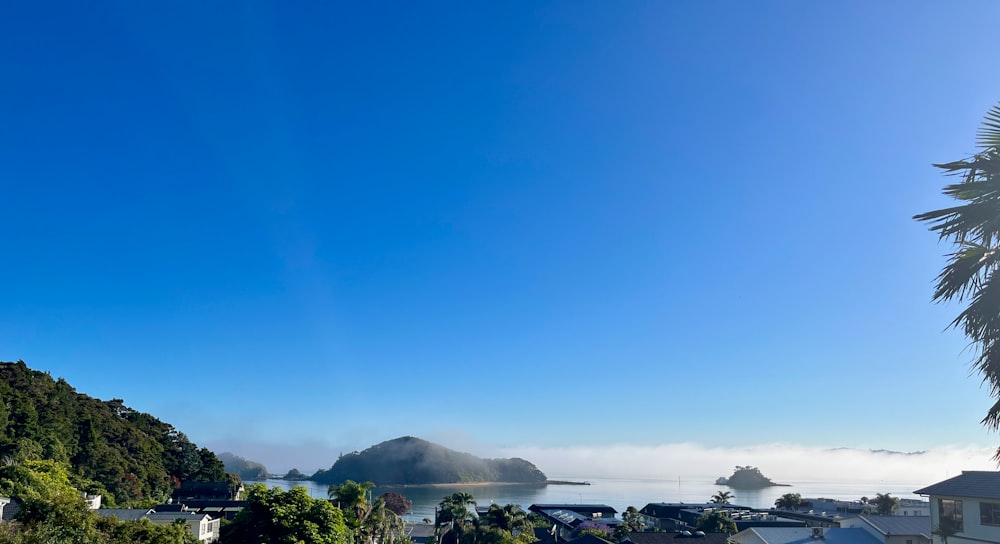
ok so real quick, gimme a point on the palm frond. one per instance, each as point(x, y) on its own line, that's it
point(989, 133)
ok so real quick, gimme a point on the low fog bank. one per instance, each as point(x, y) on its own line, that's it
point(780, 462)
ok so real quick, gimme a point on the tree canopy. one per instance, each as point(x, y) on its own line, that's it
point(273, 516)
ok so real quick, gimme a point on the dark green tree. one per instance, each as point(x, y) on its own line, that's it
point(973, 226)
point(886, 504)
point(722, 497)
point(273, 516)
point(716, 521)
point(788, 501)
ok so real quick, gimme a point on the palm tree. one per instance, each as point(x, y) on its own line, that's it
point(788, 501)
point(722, 497)
point(886, 504)
point(510, 518)
point(974, 228)
point(716, 521)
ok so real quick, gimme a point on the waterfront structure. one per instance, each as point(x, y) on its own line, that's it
point(681, 516)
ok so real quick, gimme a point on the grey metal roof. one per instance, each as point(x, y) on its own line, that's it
point(979, 484)
point(803, 535)
point(124, 514)
point(171, 516)
point(900, 525)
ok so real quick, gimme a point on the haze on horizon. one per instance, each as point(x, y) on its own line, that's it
point(623, 238)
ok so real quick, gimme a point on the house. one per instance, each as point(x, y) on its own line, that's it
point(125, 514)
point(684, 516)
point(803, 535)
point(969, 504)
point(219, 491)
point(419, 533)
point(913, 507)
point(893, 529)
point(566, 519)
point(682, 537)
point(9, 508)
point(202, 526)
point(93, 501)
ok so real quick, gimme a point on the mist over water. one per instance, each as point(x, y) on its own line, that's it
point(627, 475)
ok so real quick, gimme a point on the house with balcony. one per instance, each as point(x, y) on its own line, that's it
point(965, 509)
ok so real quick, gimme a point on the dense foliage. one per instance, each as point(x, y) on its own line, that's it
point(746, 477)
point(246, 470)
point(410, 460)
point(273, 516)
point(507, 524)
point(126, 455)
point(53, 511)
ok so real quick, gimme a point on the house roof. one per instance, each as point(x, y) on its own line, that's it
point(587, 509)
point(900, 525)
point(419, 530)
point(677, 538)
point(124, 514)
point(979, 484)
point(589, 539)
point(803, 535)
point(171, 516)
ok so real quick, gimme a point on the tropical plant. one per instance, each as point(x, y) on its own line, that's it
point(886, 504)
point(397, 502)
point(716, 521)
point(722, 497)
point(454, 509)
point(973, 227)
point(788, 501)
point(509, 517)
point(352, 498)
point(947, 527)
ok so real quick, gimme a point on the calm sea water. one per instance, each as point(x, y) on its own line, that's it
point(622, 493)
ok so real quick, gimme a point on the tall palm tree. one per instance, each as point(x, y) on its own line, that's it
point(886, 504)
point(973, 227)
point(510, 518)
point(722, 497)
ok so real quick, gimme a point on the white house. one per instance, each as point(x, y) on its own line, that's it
point(202, 526)
point(970, 502)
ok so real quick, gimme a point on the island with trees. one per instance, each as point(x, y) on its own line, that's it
point(412, 461)
point(747, 477)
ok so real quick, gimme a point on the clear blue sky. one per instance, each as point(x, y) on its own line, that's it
point(517, 223)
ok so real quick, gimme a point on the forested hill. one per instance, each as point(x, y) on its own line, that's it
point(130, 454)
point(411, 461)
point(246, 470)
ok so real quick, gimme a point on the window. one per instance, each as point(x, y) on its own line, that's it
point(989, 513)
point(951, 509)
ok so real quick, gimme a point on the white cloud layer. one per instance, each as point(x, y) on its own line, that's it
point(780, 462)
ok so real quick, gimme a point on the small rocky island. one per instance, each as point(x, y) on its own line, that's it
point(747, 477)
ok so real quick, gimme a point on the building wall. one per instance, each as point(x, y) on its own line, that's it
point(974, 532)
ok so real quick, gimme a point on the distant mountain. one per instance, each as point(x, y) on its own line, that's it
point(247, 470)
point(412, 461)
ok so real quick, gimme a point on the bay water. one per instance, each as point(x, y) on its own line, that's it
point(621, 493)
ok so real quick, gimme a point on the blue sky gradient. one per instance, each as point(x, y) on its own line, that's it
point(549, 224)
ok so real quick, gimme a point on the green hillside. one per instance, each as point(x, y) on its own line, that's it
point(246, 470)
point(131, 455)
point(412, 461)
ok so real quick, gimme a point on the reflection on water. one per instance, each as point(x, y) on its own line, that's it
point(621, 493)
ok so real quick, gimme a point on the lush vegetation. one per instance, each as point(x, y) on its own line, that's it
point(746, 477)
point(788, 501)
point(970, 275)
point(410, 460)
point(54, 511)
point(127, 456)
point(370, 521)
point(716, 521)
point(507, 524)
point(276, 516)
point(722, 497)
point(246, 470)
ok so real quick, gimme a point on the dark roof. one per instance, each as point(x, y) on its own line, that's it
point(671, 509)
point(124, 514)
point(543, 535)
point(587, 509)
point(676, 538)
point(900, 525)
point(419, 530)
point(980, 484)
point(589, 539)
